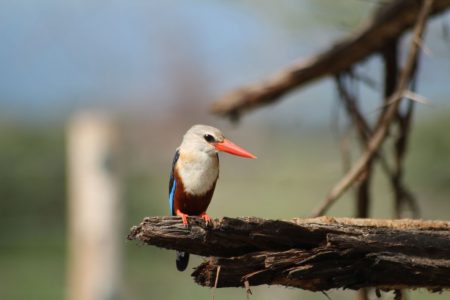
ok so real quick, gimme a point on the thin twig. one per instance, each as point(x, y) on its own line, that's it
point(404, 120)
point(326, 295)
point(248, 291)
point(378, 293)
point(416, 97)
point(215, 282)
point(381, 132)
point(349, 98)
point(362, 125)
point(362, 294)
point(409, 95)
point(398, 295)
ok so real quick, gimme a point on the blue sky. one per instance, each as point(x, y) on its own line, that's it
point(55, 54)
point(59, 56)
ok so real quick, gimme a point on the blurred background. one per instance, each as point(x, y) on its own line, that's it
point(153, 68)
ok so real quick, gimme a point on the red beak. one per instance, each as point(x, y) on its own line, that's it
point(229, 147)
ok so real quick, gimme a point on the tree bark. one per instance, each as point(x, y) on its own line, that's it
point(314, 254)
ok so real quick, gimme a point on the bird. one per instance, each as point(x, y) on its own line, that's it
point(195, 169)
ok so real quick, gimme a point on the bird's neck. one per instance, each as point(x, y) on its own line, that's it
point(198, 171)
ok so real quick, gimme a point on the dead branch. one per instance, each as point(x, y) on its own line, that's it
point(349, 100)
point(389, 23)
point(386, 118)
point(313, 254)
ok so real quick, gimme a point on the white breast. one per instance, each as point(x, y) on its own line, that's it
point(198, 171)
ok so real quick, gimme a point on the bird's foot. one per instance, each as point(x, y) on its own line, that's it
point(183, 217)
point(205, 217)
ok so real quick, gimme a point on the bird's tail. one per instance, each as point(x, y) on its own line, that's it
point(182, 260)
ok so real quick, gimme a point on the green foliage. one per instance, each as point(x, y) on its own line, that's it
point(32, 176)
point(32, 212)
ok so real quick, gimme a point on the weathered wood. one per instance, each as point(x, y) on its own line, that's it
point(327, 268)
point(314, 254)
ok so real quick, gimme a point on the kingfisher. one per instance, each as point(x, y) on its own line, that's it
point(194, 174)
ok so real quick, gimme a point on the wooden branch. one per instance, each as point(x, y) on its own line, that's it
point(390, 22)
point(313, 254)
point(386, 118)
point(350, 103)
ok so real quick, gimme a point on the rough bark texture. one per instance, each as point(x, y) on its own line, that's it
point(313, 254)
point(390, 22)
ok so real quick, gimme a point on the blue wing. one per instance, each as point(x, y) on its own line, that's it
point(173, 182)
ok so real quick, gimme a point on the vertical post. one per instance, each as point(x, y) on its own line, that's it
point(94, 209)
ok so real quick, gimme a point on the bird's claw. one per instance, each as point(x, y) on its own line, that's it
point(183, 217)
point(207, 218)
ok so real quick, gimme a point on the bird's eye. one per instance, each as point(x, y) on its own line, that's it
point(209, 138)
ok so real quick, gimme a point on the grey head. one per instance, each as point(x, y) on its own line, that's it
point(202, 138)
